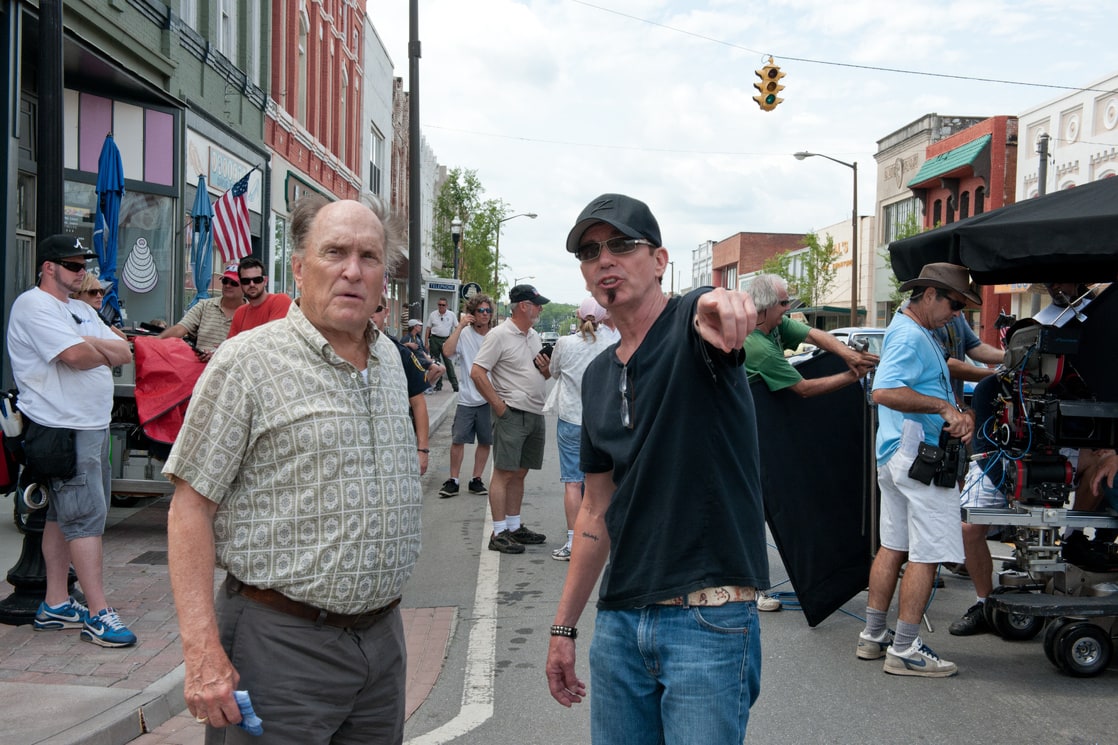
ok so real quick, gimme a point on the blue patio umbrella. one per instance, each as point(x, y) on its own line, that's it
point(202, 254)
point(106, 231)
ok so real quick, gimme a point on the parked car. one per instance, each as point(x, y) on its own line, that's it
point(871, 336)
point(549, 337)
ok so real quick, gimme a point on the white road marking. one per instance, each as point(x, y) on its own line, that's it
point(481, 654)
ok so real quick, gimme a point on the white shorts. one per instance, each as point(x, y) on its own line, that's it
point(980, 491)
point(920, 519)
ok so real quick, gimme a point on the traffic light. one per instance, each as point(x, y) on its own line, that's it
point(768, 86)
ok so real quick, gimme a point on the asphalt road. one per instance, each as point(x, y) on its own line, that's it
point(814, 690)
point(492, 688)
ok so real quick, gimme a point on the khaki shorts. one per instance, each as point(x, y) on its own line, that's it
point(518, 440)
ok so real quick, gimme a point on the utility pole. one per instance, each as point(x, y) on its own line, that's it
point(415, 211)
point(1042, 168)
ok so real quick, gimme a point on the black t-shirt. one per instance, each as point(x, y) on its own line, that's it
point(1097, 358)
point(413, 370)
point(686, 513)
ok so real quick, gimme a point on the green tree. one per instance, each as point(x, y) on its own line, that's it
point(461, 197)
point(809, 271)
point(907, 229)
point(557, 317)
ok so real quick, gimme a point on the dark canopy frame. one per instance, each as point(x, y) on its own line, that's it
point(1066, 236)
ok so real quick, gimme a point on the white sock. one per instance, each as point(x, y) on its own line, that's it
point(570, 537)
point(499, 526)
point(513, 521)
point(455, 480)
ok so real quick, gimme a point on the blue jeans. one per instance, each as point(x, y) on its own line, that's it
point(673, 674)
point(569, 438)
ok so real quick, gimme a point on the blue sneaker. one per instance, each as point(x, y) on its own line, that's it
point(105, 629)
point(69, 615)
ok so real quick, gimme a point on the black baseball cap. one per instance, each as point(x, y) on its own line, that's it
point(521, 293)
point(631, 216)
point(58, 247)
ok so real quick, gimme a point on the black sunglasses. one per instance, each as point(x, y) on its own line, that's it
point(98, 291)
point(229, 283)
point(73, 266)
point(252, 280)
point(617, 246)
point(956, 305)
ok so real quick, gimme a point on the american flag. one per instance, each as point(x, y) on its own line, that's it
point(230, 225)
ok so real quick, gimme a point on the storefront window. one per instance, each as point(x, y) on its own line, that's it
point(282, 281)
point(144, 248)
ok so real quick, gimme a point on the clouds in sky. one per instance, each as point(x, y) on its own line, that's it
point(553, 102)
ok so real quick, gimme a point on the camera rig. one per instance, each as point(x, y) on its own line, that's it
point(1042, 412)
point(1042, 409)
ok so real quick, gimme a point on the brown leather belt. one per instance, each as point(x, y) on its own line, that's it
point(284, 604)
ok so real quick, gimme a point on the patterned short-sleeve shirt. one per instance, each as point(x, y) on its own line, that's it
point(314, 469)
point(207, 323)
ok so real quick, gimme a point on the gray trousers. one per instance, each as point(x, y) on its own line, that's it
point(314, 685)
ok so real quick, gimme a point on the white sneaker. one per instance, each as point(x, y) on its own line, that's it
point(918, 660)
point(870, 648)
point(766, 602)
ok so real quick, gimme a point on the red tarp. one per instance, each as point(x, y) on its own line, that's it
point(166, 371)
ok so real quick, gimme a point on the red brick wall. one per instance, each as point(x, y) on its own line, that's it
point(748, 251)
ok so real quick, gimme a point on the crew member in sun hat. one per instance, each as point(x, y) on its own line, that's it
point(919, 518)
point(945, 276)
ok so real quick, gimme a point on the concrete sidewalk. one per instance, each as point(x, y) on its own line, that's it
point(60, 690)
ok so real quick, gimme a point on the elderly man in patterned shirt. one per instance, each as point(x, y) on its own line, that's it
point(296, 468)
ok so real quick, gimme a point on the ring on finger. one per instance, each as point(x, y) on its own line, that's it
point(201, 720)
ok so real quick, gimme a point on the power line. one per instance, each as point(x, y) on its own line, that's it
point(830, 63)
point(567, 143)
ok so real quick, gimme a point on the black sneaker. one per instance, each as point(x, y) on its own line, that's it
point(449, 489)
point(505, 544)
point(973, 622)
point(525, 536)
point(477, 487)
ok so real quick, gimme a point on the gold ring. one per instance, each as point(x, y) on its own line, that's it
point(201, 720)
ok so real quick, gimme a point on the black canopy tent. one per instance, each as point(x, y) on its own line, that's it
point(1066, 236)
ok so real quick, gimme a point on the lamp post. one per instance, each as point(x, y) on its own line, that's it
point(497, 247)
point(853, 226)
point(456, 236)
point(671, 292)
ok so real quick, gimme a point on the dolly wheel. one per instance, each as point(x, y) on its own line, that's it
point(1055, 626)
point(1083, 649)
point(1016, 627)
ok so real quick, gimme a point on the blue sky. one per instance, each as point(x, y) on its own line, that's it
point(553, 102)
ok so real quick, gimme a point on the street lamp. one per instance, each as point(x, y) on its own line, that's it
point(854, 226)
point(671, 293)
point(456, 236)
point(497, 248)
point(516, 280)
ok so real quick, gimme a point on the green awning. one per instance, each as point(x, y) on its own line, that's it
point(964, 155)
